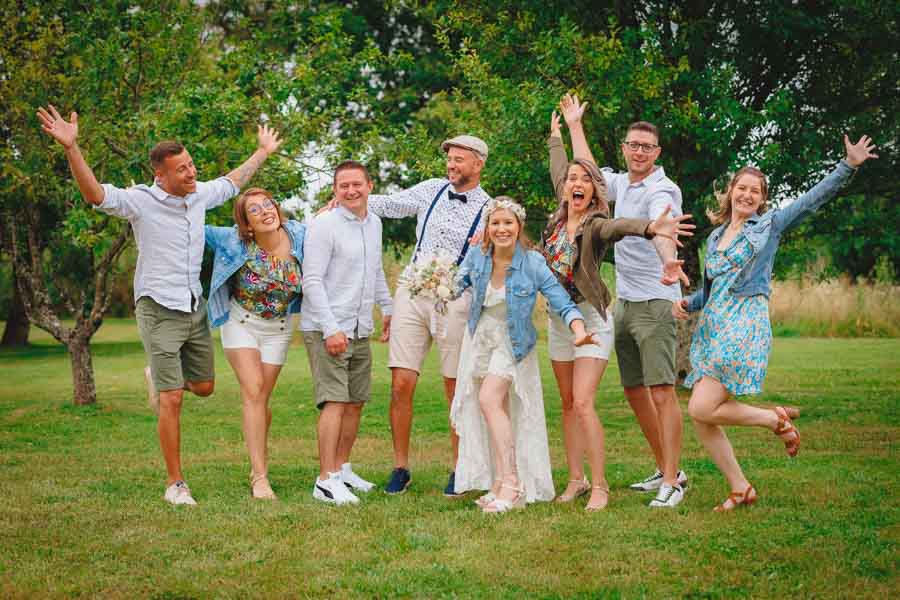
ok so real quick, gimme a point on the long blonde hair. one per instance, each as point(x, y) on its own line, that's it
point(723, 215)
point(487, 245)
point(599, 201)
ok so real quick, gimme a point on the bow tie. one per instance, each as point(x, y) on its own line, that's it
point(454, 196)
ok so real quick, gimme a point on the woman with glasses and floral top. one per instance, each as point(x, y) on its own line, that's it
point(574, 243)
point(730, 349)
point(255, 298)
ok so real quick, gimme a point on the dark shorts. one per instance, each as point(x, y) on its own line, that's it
point(178, 344)
point(645, 342)
point(346, 377)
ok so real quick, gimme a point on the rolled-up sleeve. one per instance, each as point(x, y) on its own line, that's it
point(217, 192)
point(122, 203)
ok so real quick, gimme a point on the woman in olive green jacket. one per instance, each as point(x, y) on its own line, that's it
point(576, 239)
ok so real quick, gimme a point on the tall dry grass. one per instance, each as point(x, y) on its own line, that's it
point(835, 308)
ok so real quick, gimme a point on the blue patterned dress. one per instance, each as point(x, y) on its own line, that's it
point(733, 336)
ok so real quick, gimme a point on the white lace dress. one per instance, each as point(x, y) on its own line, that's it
point(489, 351)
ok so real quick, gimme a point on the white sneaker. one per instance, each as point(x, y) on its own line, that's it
point(152, 393)
point(333, 491)
point(669, 496)
point(654, 481)
point(179, 493)
point(354, 481)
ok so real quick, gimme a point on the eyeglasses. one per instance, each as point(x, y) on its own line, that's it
point(258, 209)
point(647, 148)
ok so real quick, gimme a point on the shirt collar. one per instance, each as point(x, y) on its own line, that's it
point(655, 175)
point(349, 216)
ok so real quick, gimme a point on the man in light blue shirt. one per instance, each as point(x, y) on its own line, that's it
point(167, 219)
point(343, 279)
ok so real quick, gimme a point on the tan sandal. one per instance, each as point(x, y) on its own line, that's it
point(738, 499)
point(788, 433)
point(593, 508)
point(265, 494)
point(583, 486)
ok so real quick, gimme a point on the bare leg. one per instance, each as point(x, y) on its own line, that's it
point(349, 431)
point(572, 434)
point(492, 398)
point(169, 428)
point(200, 388)
point(329, 433)
point(403, 386)
point(668, 413)
point(449, 391)
point(587, 374)
point(639, 399)
point(708, 394)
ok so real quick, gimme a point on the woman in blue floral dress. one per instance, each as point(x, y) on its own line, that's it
point(255, 298)
point(730, 349)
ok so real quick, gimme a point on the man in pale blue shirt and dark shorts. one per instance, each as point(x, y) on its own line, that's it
point(167, 219)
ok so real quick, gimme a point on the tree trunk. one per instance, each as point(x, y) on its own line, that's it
point(82, 370)
point(15, 333)
point(683, 333)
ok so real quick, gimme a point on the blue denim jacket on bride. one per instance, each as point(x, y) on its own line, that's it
point(527, 274)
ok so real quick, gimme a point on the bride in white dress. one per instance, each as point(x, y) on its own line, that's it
point(498, 408)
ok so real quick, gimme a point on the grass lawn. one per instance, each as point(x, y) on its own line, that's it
point(82, 512)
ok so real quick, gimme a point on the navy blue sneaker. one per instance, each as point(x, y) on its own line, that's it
point(450, 490)
point(400, 479)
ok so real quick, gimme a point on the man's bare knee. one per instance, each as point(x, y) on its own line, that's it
point(201, 388)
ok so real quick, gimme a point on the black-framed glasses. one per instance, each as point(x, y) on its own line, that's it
point(258, 209)
point(634, 146)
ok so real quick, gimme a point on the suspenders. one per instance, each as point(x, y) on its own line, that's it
point(472, 229)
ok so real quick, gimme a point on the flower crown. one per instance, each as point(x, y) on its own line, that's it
point(503, 202)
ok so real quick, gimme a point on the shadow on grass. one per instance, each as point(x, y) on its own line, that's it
point(43, 350)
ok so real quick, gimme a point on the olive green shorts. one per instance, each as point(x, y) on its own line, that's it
point(645, 342)
point(178, 345)
point(343, 378)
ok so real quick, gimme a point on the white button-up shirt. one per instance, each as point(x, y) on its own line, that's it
point(169, 234)
point(450, 221)
point(638, 267)
point(343, 277)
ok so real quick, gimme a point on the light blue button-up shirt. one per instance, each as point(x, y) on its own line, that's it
point(168, 231)
point(343, 277)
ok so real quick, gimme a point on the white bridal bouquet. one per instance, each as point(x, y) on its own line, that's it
point(433, 277)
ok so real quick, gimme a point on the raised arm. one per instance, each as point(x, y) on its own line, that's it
point(66, 134)
point(573, 111)
point(268, 143)
point(825, 190)
point(558, 160)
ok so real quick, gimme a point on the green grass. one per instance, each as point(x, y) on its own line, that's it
point(82, 511)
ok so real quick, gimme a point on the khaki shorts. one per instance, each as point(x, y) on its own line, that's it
point(645, 342)
point(411, 332)
point(178, 345)
point(343, 378)
point(561, 340)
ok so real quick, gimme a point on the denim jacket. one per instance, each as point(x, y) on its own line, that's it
point(527, 274)
point(764, 233)
point(230, 255)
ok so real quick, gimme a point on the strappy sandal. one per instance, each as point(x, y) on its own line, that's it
point(486, 499)
point(603, 488)
point(584, 486)
point(266, 495)
point(786, 430)
point(738, 499)
point(500, 506)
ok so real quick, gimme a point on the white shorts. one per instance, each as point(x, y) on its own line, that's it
point(271, 337)
point(560, 339)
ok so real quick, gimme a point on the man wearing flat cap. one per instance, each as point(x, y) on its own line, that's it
point(448, 214)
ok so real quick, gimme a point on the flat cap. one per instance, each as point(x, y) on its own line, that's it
point(469, 142)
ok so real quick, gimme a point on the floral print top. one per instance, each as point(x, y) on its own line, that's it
point(560, 254)
point(265, 285)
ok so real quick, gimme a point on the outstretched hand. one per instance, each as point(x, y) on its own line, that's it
point(673, 273)
point(572, 109)
point(268, 138)
point(64, 132)
point(859, 152)
point(554, 125)
point(667, 226)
